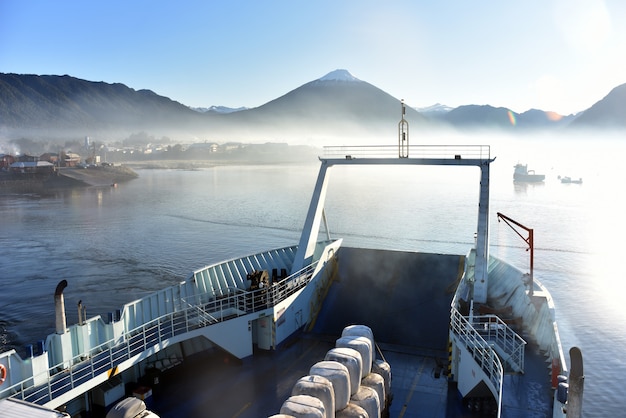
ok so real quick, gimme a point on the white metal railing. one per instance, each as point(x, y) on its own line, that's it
point(106, 356)
point(481, 351)
point(508, 343)
point(414, 151)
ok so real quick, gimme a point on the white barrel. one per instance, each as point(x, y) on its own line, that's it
point(376, 382)
point(339, 376)
point(281, 416)
point(303, 406)
point(319, 387)
point(384, 369)
point(360, 331)
point(350, 358)
point(367, 398)
point(361, 344)
point(352, 411)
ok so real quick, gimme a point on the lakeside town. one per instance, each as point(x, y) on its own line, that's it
point(97, 164)
point(92, 154)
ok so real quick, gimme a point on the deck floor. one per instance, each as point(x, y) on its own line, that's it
point(403, 297)
point(217, 385)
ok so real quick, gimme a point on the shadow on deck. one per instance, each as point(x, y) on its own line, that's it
point(404, 297)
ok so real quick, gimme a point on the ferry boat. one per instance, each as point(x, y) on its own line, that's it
point(437, 335)
point(521, 173)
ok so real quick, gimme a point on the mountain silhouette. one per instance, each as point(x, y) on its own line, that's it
point(610, 112)
point(486, 117)
point(63, 102)
point(335, 104)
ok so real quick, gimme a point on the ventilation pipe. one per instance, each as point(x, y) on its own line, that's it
point(82, 313)
point(59, 307)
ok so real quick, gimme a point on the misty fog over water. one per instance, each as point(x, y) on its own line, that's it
point(114, 245)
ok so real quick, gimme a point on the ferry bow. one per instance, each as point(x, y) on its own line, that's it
point(260, 301)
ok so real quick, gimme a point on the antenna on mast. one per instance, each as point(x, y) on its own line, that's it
point(403, 135)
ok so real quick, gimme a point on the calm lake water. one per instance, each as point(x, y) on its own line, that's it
point(114, 245)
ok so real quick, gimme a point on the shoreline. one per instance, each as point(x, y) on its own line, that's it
point(65, 179)
point(69, 178)
point(202, 164)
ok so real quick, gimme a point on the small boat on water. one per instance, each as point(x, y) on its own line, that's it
point(523, 174)
point(318, 329)
point(568, 180)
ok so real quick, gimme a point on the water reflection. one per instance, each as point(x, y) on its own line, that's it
point(522, 187)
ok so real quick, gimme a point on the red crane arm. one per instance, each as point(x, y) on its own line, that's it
point(530, 241)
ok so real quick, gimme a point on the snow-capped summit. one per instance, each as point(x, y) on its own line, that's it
point(218, 109)
point(436, 108)
point(339, 75)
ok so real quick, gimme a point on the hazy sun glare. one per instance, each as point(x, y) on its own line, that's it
point(585, 24)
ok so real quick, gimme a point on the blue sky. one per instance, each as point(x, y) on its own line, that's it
point(558, 55)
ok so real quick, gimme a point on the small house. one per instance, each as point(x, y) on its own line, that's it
point(5, 161)
point(32, 168)
point(71, 159)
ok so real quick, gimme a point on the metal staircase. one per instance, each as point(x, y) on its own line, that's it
point(490, 343)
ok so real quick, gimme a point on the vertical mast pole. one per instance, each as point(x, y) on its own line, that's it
point(403, 135)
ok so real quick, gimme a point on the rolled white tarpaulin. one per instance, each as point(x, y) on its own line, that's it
point(361, 344)
point(350, 358)
point(319, 387)
point(303, 406)
point(339, 376)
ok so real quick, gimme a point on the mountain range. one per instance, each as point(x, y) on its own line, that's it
point(336, 104)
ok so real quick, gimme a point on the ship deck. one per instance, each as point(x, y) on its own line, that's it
point(218, 385)
point(405, 300)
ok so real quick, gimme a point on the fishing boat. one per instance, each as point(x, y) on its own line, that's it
point(318, 329)
point(569, 180)
point(523, 174)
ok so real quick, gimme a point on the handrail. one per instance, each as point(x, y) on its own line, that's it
point(106, 356)
point(481, 351)
point(495, 330)
point(415, 151)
